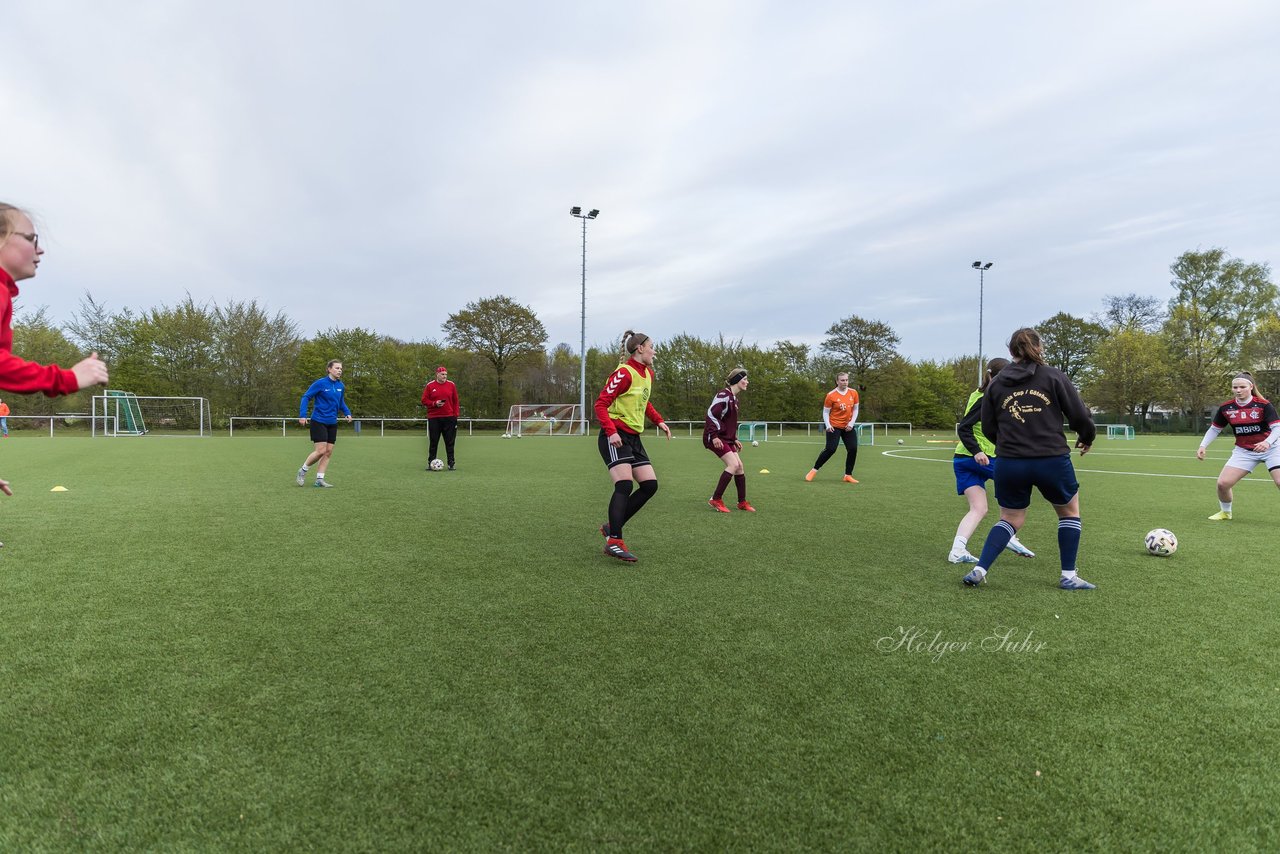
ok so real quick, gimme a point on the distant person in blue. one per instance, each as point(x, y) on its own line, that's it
point(328, 393)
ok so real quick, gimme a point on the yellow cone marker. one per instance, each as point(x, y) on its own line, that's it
point(59, 489)
point(764, 471)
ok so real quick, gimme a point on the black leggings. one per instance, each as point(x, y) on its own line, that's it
point(834, 438)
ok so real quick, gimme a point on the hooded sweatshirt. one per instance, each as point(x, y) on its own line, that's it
point(1023, 411)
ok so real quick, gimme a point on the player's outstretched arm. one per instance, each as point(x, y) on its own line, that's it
point(91, 371)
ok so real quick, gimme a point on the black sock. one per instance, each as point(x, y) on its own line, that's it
point(618, 508)
point(740, 481)
point(725, 477)
point(640, 496)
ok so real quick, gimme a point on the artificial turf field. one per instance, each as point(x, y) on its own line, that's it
point(197, 654)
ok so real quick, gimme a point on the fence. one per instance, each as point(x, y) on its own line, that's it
point(399, 425)
point(70, 422)
point(869, 430)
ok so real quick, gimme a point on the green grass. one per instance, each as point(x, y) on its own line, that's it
point(196, 654)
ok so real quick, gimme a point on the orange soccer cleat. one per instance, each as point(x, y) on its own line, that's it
point(746, 506)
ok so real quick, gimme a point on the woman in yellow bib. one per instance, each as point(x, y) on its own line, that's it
point(621, 409)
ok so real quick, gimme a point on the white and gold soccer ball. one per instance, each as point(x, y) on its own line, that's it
point(755, 443)
point(1161, 542)
point(437, 465)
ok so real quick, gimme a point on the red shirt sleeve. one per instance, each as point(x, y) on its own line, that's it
point(23, 377)
point(426, 394)
point(652, 414)
point(619, 381)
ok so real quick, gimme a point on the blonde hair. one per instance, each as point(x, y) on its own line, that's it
point(6, 219)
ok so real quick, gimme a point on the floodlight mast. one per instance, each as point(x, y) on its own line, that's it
point(982, 268)
point(582, 342)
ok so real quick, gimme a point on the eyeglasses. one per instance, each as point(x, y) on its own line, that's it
point(33, 239)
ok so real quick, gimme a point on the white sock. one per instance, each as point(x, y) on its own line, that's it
point(304, 467)
point(1225, 505)
point(320, 475)
point(958, 544)
point(1068, 573)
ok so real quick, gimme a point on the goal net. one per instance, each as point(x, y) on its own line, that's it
point(753, 431)
point(123, 413)
point(544, 419)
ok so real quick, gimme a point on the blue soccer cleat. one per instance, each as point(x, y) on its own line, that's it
point(1076, 583)
point(974, 578)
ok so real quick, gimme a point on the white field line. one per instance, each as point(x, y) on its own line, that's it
point(902, 455)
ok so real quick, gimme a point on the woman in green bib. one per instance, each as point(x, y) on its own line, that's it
point(622, 407)
point(973, 468)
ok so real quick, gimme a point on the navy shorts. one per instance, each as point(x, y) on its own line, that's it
point(324, 432)
point(1053, 476)
point(629, 453)
point(969, 472)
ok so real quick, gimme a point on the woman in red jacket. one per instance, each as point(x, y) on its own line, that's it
point(19, 256)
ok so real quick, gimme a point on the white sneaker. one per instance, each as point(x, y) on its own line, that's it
point(961, 557)
point(1019, 549)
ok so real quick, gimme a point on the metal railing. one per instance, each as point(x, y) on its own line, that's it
point(358, 424)
point(67, 419)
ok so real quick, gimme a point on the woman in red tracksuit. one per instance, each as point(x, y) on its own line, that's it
point(19, 256)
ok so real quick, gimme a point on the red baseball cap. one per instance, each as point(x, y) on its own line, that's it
point(442, 368)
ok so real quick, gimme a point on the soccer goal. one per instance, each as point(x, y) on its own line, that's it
point(123, 413)
point(1118, 431)
point(544, 419)
point(753, 431)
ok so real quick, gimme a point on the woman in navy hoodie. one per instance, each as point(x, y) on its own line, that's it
point(1022, 413)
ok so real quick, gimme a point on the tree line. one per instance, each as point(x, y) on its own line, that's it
point(1136, 356)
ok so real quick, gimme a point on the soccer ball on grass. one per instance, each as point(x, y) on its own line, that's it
point(902, 442)
point(437, 465)
point(1161, 542)
point(755, 443)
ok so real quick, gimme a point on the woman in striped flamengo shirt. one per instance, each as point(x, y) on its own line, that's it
point(1256, 426)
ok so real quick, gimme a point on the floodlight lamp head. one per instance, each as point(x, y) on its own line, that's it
point(593, 213)
point(575, 211)
point(987, 266)
point(977, 265)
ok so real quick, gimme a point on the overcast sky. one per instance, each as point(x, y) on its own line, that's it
point(763, 169)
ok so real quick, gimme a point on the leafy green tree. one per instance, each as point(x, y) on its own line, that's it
point(1219, 301)
point(181, 352)
point(1132, 372)
point(1132, 311)
point(255, 353)
point(501, 331)
point(864, 346)
point(1069, 343)
point(1262, 355)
